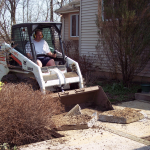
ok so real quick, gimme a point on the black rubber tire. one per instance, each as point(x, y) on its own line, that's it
point(10, 78)
point(31, 82)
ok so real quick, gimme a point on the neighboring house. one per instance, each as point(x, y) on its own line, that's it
point(79, 25)
point(70, 20)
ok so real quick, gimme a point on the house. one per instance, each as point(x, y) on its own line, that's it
point(79, 26)
point(74, 29)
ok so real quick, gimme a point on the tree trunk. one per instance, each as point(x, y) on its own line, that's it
point(51, 11)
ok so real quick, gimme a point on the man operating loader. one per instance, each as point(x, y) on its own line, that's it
point(41, 47)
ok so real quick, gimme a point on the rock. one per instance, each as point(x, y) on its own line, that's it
point(76, 110)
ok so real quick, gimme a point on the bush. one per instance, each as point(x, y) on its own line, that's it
point(124, 36)
point(116, 91)
point(24, 113)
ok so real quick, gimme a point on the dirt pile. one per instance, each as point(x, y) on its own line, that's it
point(75, 121)
point(70, 120)
point(12, 78)
point(126, 115)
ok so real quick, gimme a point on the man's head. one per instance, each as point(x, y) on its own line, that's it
point(38, 35)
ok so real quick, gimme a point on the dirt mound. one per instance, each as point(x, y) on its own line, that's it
point(126, 115)
point(70, 120)
point(12, 78)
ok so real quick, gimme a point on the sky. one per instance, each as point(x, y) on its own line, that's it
point(37, 11)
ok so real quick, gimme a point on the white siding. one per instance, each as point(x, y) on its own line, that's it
point(88, 37)
point(66, 27)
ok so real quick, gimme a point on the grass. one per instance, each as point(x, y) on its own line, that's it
point(116, 91)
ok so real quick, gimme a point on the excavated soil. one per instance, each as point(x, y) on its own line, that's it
point(62, 120)
point(126, 115)
point(12, 78)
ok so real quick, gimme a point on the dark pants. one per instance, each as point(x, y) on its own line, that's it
point(44, 60)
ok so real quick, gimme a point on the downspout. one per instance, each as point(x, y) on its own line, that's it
point(63, 28)
point(80, 28)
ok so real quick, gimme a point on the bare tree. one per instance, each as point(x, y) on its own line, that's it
point(4, 23)
point(25, 10)
point(14, 11)
point(11, 7)
point(125, 36)
point(51, 5)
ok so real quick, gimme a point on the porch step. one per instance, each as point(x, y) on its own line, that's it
point(142, 96)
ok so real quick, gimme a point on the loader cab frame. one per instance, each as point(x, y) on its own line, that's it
point(23, 34)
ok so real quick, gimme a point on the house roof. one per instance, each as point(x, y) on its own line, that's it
point(71, 7)
point(75, 2)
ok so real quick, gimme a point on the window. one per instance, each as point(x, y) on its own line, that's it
point(20, 37)
point(48, 37)
point(74, 25)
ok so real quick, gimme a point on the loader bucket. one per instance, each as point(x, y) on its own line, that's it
point(94, 95)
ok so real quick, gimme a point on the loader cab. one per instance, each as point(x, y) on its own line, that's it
point(23, 34)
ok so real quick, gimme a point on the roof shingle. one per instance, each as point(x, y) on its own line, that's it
point(68, 7)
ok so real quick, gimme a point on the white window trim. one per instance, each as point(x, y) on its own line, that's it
point(77, 23)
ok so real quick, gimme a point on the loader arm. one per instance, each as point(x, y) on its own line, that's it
point(75, 67)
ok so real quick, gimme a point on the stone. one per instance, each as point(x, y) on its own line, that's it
point(76, 110)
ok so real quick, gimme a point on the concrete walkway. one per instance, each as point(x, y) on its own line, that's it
point(104, 135)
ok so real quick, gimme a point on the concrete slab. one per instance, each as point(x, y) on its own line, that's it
point(140, 128)
point(76, 122)
point(107, 136)
point(123, 116)
point(76, 110)
point(142, 96)
point(90, 139)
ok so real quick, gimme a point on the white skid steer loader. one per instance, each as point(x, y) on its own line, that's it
point(64, 79)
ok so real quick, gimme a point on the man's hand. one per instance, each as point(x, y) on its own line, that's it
point(29, 56)
point(51, 54)
point(54, 51)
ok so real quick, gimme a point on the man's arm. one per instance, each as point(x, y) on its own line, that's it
point(51, 54)
point(47, 50)
point(29, 56)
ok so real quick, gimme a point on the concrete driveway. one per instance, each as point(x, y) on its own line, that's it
point(104, 135)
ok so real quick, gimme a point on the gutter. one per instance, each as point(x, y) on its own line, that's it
point(65, 12)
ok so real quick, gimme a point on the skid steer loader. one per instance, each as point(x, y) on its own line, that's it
point(64, 79)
